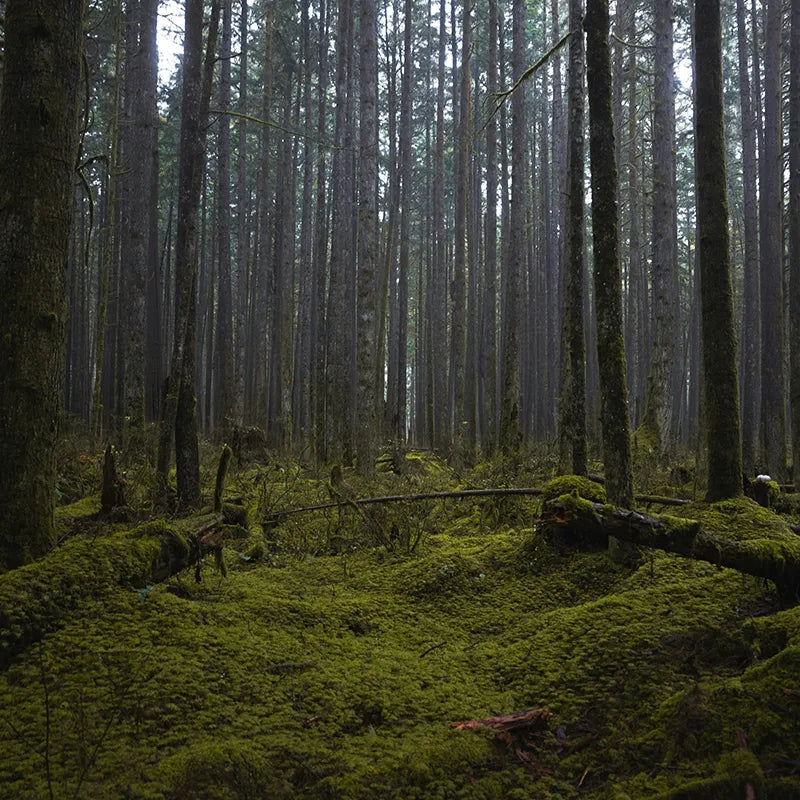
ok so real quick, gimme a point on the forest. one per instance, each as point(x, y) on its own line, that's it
point(400, 399)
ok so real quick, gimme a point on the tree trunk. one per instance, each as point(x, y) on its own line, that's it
point(605, 243)
point(302, 360)
point(458, 324)
point(515, 257)
point(400, 433)
point(441, 420)
point(794, 234)
point(751, 323)
point(572, 405)
point(317, 378)
point(659, 402)
point(280, 340)
point(489, 337)
point(39, 132)
point(139, 179)
point(337, 379)
point(179, 412)
point(225, 407)
point(367, 238)
point(773, 414)
point(242, 220)
point(719, 342)
point(107, 239)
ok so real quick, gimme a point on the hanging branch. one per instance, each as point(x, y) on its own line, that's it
point(500, 97)
point(220, 112)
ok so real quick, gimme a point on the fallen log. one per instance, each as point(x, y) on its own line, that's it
point(775, 555)
point(39, 598)
point(276, 516)
point(529, 491)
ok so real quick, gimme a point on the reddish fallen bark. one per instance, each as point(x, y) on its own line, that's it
point(522, 731)
point(535, 718)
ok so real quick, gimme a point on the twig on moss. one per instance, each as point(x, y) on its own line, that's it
point(431, 649)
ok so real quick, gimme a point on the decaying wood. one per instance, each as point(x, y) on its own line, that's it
point(534, 718)
point(768, 557)
point(222, 471)
point(112, 495)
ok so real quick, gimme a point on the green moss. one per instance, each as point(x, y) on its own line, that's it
point(307, 674)
point(645, 442)
point(574, 484)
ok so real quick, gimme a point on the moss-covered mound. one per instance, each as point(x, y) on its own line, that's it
point(336, 671)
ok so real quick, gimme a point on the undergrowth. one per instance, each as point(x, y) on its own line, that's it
point(344, 642)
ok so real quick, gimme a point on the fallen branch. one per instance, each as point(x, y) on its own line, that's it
point(431, 649)
point(772, 556)
point(408, 498)
point(654, 499)
point(529, 491)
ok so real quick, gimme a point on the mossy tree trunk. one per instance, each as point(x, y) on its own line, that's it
point(458, 315)
point(515, 252)
point(605, 249)
point(719, 342)
point(179, 411)
point(572, 405)
point(489, 328)
point(39, 135)
point(794, 235)
point(438, 313)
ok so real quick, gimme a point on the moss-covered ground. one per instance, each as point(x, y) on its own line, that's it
point(333, 658)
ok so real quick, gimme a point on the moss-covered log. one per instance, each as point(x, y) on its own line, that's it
point(775, 556)
point(39, 597)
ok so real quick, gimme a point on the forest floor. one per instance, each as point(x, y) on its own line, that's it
point(335, 654)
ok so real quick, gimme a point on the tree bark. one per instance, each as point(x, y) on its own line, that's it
point(225, 409)
point(399, 433)
point(317, 378)
point(441, 418)
point(367, 239)
point(719, 342)
point(39, 135)
point(458, 291)
point(179, 412)
point(794, 235)
point(773, 414)
point(515, 259)
point(302, 361)
point(489, 337)
point(605, 246)
point(572, 405)
point(660, 399)
point(751, 323)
